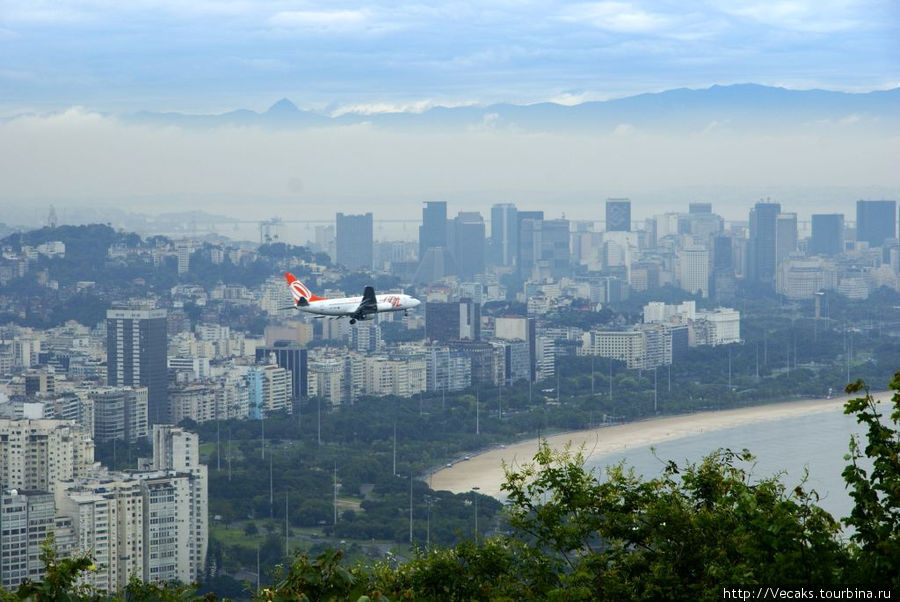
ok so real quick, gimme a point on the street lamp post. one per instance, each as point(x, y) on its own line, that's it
point(476, 489)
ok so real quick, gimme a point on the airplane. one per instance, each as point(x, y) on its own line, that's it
point(356, 308)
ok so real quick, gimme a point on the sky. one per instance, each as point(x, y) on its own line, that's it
point(71, 70)
point(207, 55)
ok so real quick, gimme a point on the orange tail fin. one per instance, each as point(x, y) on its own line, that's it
point(298, 289)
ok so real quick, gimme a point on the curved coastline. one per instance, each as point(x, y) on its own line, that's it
point(485, 470)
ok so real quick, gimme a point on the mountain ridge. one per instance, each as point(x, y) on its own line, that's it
point(742, 104)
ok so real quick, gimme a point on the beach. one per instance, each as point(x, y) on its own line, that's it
point(485, 470)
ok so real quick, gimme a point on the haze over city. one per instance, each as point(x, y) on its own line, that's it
point(79, 81)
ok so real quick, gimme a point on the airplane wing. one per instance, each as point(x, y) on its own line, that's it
point(368, 306)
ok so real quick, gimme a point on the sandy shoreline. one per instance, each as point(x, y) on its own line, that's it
point(485, 470)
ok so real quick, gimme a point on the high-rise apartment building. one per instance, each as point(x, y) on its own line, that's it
point(26, 519)
point(136, 345)
point(178, 450)
point(618, 215)
point(827, 234)
point(876, 221)
point(354, 246)
point(35, 454)
point(120, 413)
point(270, 389)
point(292, 357)
point(518, 328)
point(504, 234)
point(761, 260)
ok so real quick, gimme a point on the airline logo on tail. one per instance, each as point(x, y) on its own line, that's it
point(299, 290)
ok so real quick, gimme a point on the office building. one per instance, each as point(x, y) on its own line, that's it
point(354, 246)
point(529, 226)
point(292, 357)
point(504, 234)
point(761, 260)
point(136, 344)
point(827, 234)
point(618, 215)
point(555, 248)
point(693, 270)
point(785, 236)
point(876, 221)
point(452, 321)
point(433, 231)
point(468, 229)
point(120, 413)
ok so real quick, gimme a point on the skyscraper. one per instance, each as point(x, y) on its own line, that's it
point(136, 345)
point(827, 234)
point(556, 246)
point(693, 270)
point(469, 243)
point(785, 236)
point(761, 262)
point(618, 215)
point(504, 233)
point(876, 221)
point(529, 225)
point(433, 231)
point(354, 241)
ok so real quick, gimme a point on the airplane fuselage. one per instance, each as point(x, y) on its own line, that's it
point(346, 306)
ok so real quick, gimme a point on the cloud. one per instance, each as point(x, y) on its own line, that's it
point(814, 16)
point(321, 20)
point(619, 17)
point(376, 108)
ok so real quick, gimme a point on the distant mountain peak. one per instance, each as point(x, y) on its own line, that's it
point(283, 106)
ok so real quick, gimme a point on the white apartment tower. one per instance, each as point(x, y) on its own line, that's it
point(178, 450)
point(35, 454)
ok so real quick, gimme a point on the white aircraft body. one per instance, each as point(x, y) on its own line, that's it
point(356, 308)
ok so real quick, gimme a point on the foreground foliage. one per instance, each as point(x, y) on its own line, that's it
point(682, 536)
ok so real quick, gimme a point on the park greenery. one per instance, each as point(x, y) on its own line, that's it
point(572, 534)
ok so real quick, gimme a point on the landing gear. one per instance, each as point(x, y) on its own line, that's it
point(352, 321)
point(406, 312)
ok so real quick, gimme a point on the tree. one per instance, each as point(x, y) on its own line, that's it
point(680, 536)
point(876, 510)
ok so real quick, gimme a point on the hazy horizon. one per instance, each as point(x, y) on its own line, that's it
point(74, 74)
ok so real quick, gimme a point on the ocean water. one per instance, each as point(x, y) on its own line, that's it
point(816, 442)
